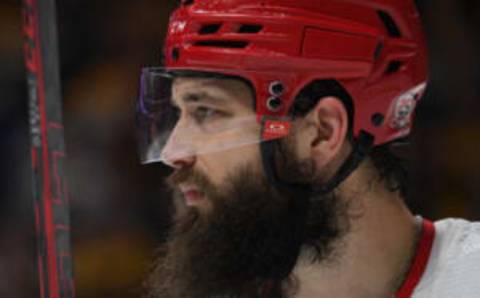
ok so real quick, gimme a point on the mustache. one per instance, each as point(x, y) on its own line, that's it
point(190, 176)
point(180, 176)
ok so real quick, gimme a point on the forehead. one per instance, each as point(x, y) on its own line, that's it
point(223, 91)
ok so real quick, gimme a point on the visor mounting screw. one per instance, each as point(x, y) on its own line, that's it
point(274, 103)
point(175, 54)
point(276, 88)
point(377, 119)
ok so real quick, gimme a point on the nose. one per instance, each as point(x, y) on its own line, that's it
point(177, 154)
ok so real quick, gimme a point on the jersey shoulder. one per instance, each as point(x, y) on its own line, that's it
point(453, 269)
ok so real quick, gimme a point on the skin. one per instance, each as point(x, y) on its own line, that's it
point(237, 102)
point(376, 252)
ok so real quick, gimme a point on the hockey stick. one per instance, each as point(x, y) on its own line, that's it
point(47, 150)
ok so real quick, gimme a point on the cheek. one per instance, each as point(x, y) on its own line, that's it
point(302, 149)
point(217, 166)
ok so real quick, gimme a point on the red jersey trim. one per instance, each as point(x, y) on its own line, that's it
point(420, 261)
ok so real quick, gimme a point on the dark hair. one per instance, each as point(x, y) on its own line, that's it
point(390, 167)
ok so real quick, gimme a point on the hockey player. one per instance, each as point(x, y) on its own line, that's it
point(277, 118)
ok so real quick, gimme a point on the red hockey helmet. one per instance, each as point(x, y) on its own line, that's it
point(375, 49)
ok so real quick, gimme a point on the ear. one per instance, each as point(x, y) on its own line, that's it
point(328, 123)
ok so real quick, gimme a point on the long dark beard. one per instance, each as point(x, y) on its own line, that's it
point(228, 251)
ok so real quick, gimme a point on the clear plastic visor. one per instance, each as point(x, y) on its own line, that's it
point(181, 116)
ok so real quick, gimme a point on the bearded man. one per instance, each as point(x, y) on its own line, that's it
point(278, 119)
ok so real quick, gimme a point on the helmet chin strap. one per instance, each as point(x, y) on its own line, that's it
point(299, 207)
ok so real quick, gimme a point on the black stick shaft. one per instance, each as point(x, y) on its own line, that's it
point(51, 203)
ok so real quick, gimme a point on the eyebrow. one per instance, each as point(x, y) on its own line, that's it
point(201, 96)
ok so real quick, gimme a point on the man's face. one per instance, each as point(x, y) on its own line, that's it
point(233, 230)
point(218, 123)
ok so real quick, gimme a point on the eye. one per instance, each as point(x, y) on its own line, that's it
point(202, 114)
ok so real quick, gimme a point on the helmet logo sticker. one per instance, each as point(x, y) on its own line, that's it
point(275, 129)
point(405, 106)
point(178, 26)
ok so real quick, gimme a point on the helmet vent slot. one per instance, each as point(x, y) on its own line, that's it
point(250, 28)
point(209, 29)
point(229, 44)
point(390, 25)
point(394, 67)
point(187, 2)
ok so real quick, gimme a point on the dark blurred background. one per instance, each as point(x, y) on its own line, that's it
point(118, 213)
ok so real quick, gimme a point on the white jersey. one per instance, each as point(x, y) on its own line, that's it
point(448, 266)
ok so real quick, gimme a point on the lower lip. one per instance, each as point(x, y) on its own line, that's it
point(192, 197)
